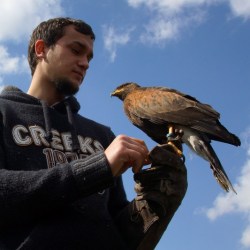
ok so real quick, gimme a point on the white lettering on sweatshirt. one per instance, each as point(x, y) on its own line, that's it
point(59, 150)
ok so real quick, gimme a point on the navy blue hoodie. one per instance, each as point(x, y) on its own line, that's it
point(56, 187)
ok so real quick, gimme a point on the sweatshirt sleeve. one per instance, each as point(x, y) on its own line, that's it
point(26, 195)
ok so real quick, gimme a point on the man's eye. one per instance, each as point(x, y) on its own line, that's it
point(75, 51)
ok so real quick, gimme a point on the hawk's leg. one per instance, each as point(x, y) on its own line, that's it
point(174, 140)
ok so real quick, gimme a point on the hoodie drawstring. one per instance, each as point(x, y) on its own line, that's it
point(49, 135)
point(75, 142)
point(47, 121)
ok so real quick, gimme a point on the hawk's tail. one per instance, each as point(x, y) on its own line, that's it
point(218, 171)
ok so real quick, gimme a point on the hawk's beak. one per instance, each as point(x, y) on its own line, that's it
point(119, 93)
point(114, 93)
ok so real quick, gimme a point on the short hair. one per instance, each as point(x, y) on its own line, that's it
point(51, 31)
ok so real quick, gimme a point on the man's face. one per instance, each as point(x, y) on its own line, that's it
point(67, 62)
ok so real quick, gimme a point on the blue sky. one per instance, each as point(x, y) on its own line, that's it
point(200, 47)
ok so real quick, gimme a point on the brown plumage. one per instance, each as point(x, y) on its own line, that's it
point(155, 110)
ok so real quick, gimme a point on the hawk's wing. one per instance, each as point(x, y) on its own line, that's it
point(162, 105)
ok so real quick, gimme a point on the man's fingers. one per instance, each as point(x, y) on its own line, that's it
point(144, 150)
point(125, 152)
point(138, 140)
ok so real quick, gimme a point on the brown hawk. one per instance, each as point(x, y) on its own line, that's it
point(169, 116)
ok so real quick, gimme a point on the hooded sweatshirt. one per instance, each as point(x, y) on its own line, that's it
point(56, 187)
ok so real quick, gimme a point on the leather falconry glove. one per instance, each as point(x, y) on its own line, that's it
point(160, 190)
point(164, 184)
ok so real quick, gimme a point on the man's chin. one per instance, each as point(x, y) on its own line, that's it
point(67, 88)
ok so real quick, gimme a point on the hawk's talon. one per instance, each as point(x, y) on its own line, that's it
point(174, 149)
point(170, 137)
point(174, 135)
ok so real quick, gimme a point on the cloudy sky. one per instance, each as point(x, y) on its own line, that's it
point(200, 47)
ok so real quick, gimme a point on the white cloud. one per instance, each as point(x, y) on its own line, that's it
point(170, 5)
point(240, 203)
point(240, 8)
point(10, 64)
point(113, 38)
point(18, 18)
point(161, 29)
point(168, 18)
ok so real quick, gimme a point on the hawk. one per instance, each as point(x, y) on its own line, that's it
point(169, 116)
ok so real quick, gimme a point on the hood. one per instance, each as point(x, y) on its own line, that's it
point(15, 94)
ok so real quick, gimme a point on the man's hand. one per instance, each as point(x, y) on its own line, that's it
point(125, 152)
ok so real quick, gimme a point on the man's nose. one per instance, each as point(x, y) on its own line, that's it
point(84, 62)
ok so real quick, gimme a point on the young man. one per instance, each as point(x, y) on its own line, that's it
point(60, 173)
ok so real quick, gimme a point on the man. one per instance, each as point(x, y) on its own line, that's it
point(60, 173)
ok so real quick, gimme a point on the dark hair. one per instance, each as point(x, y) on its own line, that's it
point(51, 31)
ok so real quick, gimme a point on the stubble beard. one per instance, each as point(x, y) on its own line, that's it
point(66, 87)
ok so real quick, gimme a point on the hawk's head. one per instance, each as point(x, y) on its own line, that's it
point(123, 90)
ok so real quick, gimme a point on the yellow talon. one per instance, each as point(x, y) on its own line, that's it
point(178, 151)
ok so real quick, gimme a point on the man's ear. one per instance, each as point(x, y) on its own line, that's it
point(40, 49)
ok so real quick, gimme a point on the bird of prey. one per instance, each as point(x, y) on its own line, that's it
point(168, 115)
